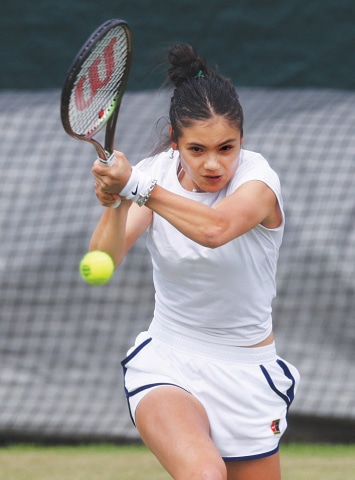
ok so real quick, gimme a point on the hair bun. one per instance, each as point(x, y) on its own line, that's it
point(185, 64)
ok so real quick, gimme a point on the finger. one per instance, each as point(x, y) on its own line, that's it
point(98, 169)
point(106, 199)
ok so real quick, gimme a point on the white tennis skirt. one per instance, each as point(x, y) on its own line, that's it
point(246, 392)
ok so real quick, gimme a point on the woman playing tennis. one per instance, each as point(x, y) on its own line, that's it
point(205, 387)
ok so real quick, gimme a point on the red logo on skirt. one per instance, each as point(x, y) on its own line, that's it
point(275, 427)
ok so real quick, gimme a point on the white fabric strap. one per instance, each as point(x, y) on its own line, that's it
point(139, 187)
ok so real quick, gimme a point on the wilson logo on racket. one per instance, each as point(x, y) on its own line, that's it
point(88, 85)
point(94, 86)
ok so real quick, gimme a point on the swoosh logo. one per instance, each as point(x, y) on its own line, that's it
point(134, 192)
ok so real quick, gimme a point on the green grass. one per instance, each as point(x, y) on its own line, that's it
point(318, 462)
point(109, 462)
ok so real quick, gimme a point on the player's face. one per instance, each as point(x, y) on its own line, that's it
point(209, 152)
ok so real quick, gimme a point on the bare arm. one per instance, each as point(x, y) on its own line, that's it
point(118, 229)
point(251, 204)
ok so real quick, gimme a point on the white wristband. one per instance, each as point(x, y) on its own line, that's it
point(139, 187)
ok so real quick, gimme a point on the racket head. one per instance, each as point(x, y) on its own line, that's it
point(95, 83)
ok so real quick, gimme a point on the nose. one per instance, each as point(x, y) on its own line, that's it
point(212, 162)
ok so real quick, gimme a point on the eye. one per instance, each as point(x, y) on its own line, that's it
point(226, 148)
point(195, 149)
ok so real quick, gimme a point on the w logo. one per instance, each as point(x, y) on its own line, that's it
point(89, 84)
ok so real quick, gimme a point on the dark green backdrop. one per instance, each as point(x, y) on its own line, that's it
point(276, 43)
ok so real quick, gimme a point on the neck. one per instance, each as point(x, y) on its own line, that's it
point(186, 181)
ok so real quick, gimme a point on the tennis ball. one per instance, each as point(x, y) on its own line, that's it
point(96, 267)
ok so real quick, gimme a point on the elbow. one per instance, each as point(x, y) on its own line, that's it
point(215, 237)
point(217, 232)
point(212, 243)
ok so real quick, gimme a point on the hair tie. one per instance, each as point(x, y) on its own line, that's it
point(200, 75)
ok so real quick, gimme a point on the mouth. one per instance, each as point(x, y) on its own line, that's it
point(213, 178)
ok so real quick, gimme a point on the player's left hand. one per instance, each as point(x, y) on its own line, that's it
point(106, 199)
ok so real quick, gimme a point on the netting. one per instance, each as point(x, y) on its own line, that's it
point(61, 341)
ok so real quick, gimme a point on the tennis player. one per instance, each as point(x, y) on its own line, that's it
point(205, 387)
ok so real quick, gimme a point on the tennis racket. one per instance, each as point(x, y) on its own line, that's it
point(95, 84)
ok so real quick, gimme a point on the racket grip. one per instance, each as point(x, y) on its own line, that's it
point(108, 162)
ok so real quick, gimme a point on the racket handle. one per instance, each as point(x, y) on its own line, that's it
point(110, 160)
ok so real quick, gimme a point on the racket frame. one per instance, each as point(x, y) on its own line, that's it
point(105, 154)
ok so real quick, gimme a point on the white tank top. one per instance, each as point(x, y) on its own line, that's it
point(220, 295)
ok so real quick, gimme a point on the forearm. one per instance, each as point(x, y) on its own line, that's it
point(201, 223)
point(233, 216)
point(110, 233)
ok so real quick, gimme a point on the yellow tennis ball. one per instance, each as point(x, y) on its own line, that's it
point(97, 267)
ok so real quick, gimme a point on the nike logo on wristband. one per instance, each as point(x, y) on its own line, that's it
point(135, 191)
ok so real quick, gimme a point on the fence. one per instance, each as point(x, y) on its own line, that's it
point(61, 341)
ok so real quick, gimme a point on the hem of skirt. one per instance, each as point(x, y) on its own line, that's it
point(251, 457)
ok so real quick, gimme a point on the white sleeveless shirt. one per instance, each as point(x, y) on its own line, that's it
point(220, 295)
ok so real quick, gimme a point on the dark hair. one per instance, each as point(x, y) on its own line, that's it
point(199, 93)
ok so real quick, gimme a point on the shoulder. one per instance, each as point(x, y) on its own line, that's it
point(157, 165)
point(253, 166)
point(253, 161)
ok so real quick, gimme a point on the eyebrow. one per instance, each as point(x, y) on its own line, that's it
point(196, 144)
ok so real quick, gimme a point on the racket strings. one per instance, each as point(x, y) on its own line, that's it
point(98, 85)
